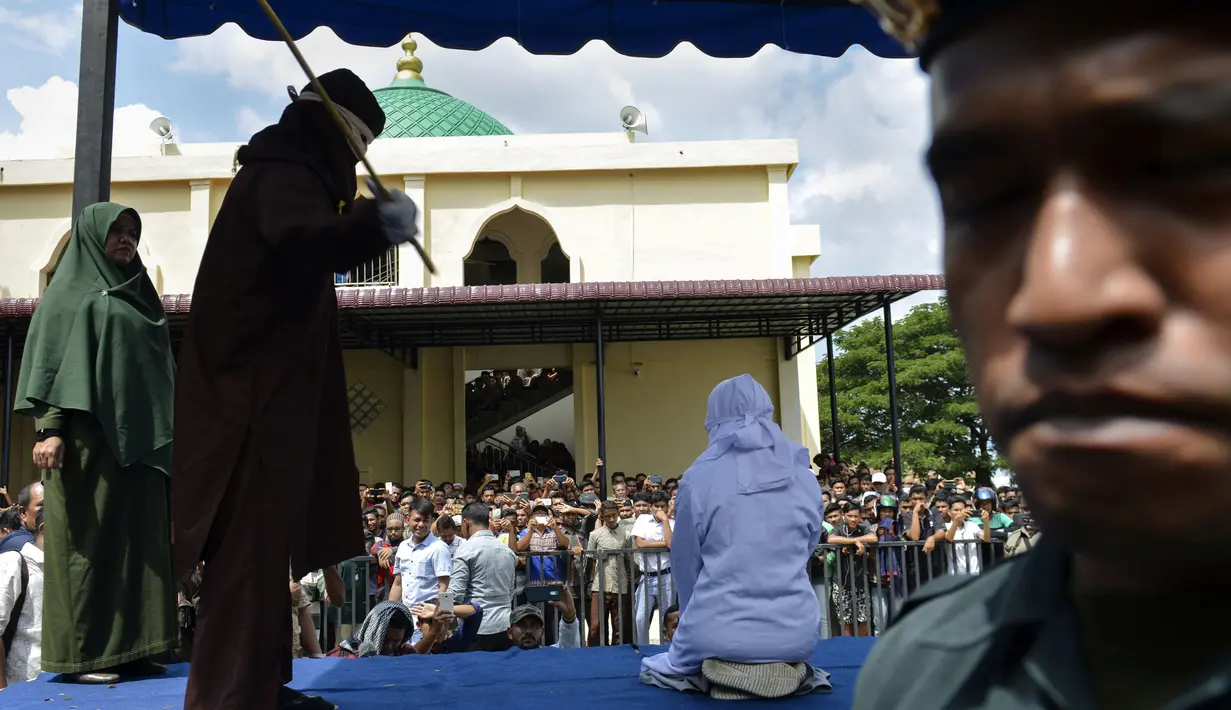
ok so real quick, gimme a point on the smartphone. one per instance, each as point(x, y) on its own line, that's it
point(389, 488)
point(493, 477)
point(560, 478)
point(496, 513)
point(525, 496)
point(446, 602)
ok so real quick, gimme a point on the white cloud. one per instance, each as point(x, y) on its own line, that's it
point(860, 121)
point(54, 31)
point(49, 124)
point(249, 121)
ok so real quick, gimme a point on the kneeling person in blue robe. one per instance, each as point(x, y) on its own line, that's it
point(747, 518)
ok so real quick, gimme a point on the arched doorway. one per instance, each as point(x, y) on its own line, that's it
point(516, 247)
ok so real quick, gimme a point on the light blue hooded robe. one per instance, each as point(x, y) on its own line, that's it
point(747, 517)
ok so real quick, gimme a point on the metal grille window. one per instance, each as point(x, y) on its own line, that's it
point(381, 271)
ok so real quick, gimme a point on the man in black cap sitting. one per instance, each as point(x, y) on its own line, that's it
point(260, 404)
point(1082, 154)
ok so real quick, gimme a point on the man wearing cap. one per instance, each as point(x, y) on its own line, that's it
point(260, 398)
point(880, 483)
point(526, 625)
point(1080, 151)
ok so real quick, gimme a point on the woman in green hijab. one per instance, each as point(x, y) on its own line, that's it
point(97, 376)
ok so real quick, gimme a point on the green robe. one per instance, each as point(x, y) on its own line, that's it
point(98, 367)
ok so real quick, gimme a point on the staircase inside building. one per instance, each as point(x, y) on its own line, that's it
point(497, 455)
point(492, 407)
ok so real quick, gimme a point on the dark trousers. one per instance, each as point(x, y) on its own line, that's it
point(242, 646)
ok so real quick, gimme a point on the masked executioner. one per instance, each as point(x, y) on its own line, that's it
point(260, 395)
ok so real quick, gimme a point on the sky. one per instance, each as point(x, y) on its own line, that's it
point(861, 121)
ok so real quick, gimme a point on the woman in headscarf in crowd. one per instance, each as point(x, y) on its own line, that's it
point(385, 631)
point(98, 376)
point(746, 629)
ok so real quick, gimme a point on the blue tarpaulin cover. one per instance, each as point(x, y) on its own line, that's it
point(638, 28)
point(591, 678)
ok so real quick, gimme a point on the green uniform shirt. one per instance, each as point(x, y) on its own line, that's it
point(1012, 639)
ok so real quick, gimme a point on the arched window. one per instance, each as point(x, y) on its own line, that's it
point(516, 247)
point(489, 264)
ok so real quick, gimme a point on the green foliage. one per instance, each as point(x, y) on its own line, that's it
point(941, 427)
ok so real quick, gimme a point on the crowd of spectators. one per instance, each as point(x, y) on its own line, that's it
point(491, 391)
point(486, 392)
point(523, 454)
point(518, 560)
point(880, 542)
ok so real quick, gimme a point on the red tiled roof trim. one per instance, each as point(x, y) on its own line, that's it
point(396, 297)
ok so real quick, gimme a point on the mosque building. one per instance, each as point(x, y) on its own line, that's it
point(679, 256)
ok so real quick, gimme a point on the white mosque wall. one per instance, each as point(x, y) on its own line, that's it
point(622, 211)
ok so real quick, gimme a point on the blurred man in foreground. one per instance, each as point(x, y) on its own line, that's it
point(1083, 161)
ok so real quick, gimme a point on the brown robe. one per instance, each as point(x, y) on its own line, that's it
point(264, 467)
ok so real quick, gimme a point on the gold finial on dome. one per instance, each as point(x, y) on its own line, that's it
point(409, 65)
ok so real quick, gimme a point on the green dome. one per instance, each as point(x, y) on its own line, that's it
point(412, 110)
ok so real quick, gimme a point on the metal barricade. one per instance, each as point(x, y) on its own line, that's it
point(858, 592)
point(336, 621)
point(863, 587)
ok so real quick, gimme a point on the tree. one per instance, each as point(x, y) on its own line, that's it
point(938, 414)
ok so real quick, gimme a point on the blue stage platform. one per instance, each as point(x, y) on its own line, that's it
point(590, 678)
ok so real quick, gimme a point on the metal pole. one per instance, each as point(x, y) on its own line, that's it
point(833, 397)
point(95, 103)
point(893, 395)
point(6, 450)
point(602, 405)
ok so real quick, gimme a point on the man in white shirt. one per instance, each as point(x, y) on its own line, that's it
point(653, 538)
point(423, 563)
point(21, 652)
point(964, 557)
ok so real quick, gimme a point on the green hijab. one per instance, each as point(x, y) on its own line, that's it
point(99, 343)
